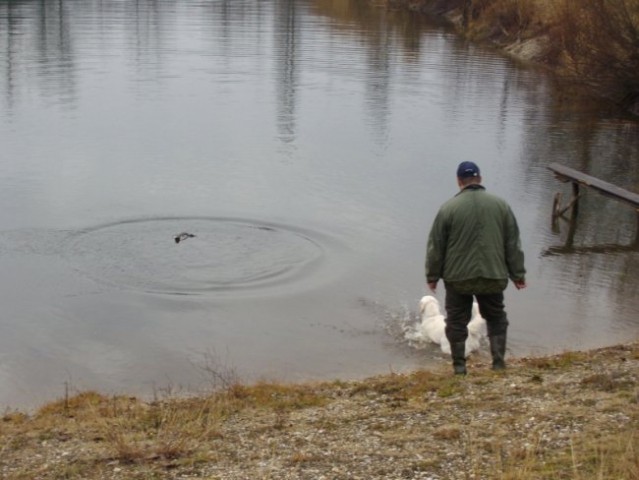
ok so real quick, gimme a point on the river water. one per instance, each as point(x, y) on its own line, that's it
point(307, 145)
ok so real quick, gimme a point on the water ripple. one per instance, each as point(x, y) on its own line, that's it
point(225, 255)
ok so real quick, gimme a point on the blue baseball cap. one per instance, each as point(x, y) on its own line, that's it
point(467, 170)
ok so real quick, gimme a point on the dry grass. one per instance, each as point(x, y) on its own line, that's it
point(571, 416)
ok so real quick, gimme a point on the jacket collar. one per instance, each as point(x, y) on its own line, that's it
point(471, 187)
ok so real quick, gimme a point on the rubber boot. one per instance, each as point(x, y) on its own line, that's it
point(458, 352)
point(498, 350)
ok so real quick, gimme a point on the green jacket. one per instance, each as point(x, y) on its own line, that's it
point(474, 237)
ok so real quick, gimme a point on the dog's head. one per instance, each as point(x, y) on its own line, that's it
point(429, 306)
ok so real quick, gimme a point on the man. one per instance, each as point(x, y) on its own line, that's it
point(474, 247)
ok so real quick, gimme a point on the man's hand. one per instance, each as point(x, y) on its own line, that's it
point(432, 286)
point(520, 284)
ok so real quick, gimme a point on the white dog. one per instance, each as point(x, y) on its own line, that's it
point(433, 326)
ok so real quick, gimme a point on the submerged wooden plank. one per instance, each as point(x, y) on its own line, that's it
point(605, 188)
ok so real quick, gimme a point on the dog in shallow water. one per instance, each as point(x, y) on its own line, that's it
point(433, 326)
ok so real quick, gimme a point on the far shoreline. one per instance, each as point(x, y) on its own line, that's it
point(554, 36)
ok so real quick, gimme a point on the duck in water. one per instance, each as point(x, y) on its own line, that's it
point(183, 236)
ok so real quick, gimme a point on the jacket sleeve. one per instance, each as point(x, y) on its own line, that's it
point(514, 253)
point(436, 249)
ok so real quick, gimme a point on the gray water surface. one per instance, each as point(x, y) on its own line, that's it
point(307, 145)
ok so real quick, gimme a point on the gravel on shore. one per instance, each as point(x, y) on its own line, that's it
point(561, 416)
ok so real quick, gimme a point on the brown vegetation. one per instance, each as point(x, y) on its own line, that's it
point(592, 42)
point(570, 416)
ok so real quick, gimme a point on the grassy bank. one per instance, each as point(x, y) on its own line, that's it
point(573, 416)
point(591, 42)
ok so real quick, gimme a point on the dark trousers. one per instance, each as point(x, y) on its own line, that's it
point(459, 310)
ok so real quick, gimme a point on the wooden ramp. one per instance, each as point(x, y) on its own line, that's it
point(567, 174)
point(579, 179)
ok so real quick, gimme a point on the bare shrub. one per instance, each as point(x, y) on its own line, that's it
point(516, 16)
point(601, 41)
point(218, 372)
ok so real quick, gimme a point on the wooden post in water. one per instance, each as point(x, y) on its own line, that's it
point(556, 204)
point(558, 211)
point(575, 201)
point(572, 225)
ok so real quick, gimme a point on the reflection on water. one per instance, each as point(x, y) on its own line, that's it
point(287, 34)
point(51, 49)
point(335, 125)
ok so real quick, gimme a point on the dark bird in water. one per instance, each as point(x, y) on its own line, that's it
point(183, 236)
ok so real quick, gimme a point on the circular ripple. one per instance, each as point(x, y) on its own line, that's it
point(224, 255)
